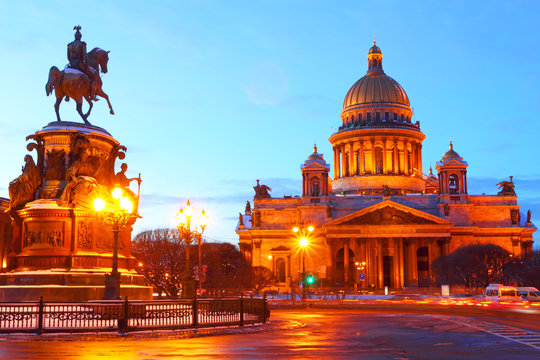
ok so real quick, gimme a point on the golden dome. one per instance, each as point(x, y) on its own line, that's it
point(376, 88)
point(315, 156)
point(451, 153)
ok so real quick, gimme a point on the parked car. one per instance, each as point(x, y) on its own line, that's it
point(498, 292)
point(529, 293)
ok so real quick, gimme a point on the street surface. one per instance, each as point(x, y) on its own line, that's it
point(311, 333)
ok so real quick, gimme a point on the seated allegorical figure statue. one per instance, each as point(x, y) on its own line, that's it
point(79, 187)
point(22, 189)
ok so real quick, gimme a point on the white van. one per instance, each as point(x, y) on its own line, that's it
point(529, 293)
point(498, 292)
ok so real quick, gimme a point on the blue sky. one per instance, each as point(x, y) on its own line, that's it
point(211, 95)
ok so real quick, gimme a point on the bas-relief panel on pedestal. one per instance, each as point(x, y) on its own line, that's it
point(44, 234)
point(85, 234)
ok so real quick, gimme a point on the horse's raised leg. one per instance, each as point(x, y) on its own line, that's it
point(106, 97)
point(90, 105)
point(57, 107)
point(79, 110)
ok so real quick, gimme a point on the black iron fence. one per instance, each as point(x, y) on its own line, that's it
point(124, 316)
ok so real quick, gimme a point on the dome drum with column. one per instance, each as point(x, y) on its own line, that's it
point(377, 145)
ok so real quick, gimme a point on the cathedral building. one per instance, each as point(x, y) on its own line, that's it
point(379, 221)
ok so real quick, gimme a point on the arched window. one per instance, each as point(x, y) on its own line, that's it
point(280, 265)
point(315, 186)
point(453, 184)
point(378, 160)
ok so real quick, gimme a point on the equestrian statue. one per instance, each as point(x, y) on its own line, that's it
point(80, 78)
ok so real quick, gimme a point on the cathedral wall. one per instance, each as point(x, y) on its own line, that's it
point(491, 216)
point(503, 241)
point(492, 200)
point(278, 218)
point(460, 214)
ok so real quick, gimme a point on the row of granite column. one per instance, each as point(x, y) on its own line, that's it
point(350, 157)
point(403, 251)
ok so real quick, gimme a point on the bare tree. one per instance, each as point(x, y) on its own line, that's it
point(227, 270)
point(261, 277)
point(473, 266)
point(161, 255)
point(525, 272)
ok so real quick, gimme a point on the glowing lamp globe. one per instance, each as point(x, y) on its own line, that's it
point(303, 242)
point(117, 193)
point(126, 204)
point(180, 218)
point(203, 219)
point(99, 204)
point(188, 210)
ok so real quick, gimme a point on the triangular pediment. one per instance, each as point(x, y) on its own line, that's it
point(280, 248)
point(389, 213)
point(315, 166)
point(453, 162)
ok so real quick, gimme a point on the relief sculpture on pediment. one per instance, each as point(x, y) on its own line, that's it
point(388, 216)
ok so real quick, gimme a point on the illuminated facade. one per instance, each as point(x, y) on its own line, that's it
point(380, 221)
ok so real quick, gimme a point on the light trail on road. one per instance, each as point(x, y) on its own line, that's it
point(525, 337)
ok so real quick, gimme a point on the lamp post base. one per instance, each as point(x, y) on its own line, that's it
point(188, 289)
point(112, 287)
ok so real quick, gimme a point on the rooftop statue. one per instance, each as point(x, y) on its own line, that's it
point(80, 78)
point(507, 188)
point(261, 191)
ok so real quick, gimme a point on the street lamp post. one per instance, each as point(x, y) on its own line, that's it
point(117, 219)
point(360, 267)
point(303, 235)
point(183, 223)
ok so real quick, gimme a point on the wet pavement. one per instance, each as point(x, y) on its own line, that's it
point(292, 334)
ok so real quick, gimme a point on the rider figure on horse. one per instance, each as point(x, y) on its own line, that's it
point(78, 60)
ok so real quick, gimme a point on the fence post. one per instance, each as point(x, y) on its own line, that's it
point(242, 310)
point(123, 322)
point(265, 307)
point(195, 308)
point(40, 316)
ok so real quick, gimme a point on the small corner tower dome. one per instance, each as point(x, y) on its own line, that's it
point(451, 153)
point(315, 157)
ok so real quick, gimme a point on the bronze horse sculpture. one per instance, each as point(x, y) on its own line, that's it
point(75, 84)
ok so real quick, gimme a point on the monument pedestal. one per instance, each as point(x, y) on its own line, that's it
point(64, 286)
point(61, 249)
